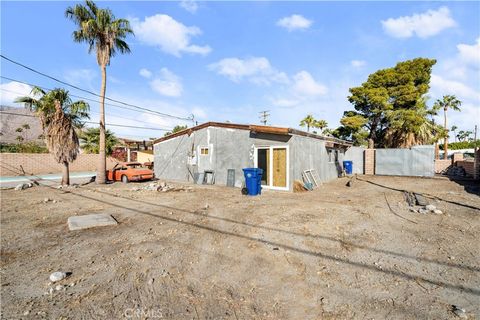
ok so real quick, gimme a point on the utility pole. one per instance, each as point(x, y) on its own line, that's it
point(263, 116)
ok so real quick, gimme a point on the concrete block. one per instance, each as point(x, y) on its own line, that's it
point(90, 221)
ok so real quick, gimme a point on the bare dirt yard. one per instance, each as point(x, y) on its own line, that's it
point(208, 252)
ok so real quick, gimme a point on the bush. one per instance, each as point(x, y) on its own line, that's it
point(461, 145)
point(29, 147)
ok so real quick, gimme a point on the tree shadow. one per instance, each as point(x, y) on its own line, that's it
point(438, 198)
point(469, 185)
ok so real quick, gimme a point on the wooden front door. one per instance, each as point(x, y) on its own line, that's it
point(280, 167)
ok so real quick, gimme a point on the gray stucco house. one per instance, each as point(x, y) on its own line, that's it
point(283, 154)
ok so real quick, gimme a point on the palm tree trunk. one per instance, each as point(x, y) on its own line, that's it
point(308, 127)
point(445, 141)
point(65, 174)
point(102, 165)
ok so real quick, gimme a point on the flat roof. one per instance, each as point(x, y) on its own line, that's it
point(254, 128)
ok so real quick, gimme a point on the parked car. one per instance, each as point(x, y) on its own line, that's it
point(129, 171)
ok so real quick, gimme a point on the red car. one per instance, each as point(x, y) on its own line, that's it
point(129, 171)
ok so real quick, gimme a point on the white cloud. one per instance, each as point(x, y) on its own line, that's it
point(145, 73)
point(423, 25)
point(294, 22)
point(441, 86)
point(167, 84)
point(189, 5)
point(306, 85)
point(80, 77)
point(470, 54)
point(11, 91)
point(358, 63)
point(284, 102)
point(257, 70)
point(169, 35)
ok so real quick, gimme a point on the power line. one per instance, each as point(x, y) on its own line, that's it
point(116, 116)
point(76, 96)
point(107, 124)
point(90, 92)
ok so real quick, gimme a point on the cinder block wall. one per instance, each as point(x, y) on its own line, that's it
point(441, 165)
point(14, 164)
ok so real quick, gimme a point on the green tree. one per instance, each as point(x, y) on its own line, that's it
point(464, 135)
point(59, 117)
point(386, 95)
point(309, 122)
point(321, 124)
point(454, 129)
point(352, 128)
point(447, 102)
point(90, 140)
point(105, 35)
point(175, 129)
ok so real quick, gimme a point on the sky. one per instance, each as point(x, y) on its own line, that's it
point(228, 61)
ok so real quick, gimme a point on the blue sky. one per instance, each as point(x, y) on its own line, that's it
point(230, 60)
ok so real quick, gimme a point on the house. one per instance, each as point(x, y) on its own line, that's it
point(283, 154)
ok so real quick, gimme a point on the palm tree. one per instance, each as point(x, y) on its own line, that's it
point(90, 138)
point(321, 124)
point(454, 129)
point(105, 35)
point(447, 102)
point(59, 117)
point(308, 121)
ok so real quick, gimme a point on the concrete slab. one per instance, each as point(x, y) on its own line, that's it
point(90, 221)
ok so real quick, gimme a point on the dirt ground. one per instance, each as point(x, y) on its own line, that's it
point(211, 253)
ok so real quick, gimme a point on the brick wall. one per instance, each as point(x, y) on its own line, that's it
point(369, 161)
point(441, 165)
point(13, 164)
point(468, 165)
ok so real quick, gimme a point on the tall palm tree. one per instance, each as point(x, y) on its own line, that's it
point(447, 102)
point(308, 121)
point(321, 124)
point(59, 117)
point(105, 35)
point(454, 129)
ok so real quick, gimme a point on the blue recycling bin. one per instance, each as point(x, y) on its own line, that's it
point(253, 180)
point(348, 166)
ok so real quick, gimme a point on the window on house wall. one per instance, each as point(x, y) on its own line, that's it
point(204, 151)
point(331, 155)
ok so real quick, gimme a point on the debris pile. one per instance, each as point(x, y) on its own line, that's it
point(161, 187)
point(455, 171)
point(418, 203)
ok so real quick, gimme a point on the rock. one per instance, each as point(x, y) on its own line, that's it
point(430, 207)
point(206, 206)
point(150, 282)
point(26, 313)
point(436, 211)
point(57, 276)
point(459, 312)
point(54, 201)
point(413, 210)
point(162, 184)
point(46, 200)
point(422, 211)
point(59, 287)
point(23, 186)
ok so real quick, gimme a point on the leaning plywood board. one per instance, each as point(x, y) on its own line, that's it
point(90, 221)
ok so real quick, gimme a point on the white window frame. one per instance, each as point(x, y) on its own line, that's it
point(270, 178)
point(200, 151)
